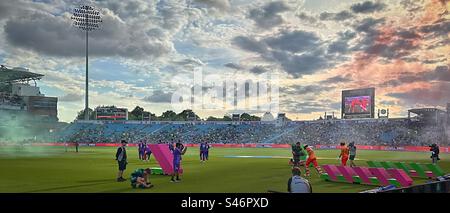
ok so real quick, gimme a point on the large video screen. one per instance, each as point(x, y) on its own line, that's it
point(357, 104)
point(111, 113)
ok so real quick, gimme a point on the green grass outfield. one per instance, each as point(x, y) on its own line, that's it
point(93, 169)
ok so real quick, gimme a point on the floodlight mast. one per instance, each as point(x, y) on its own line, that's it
point(86, 18)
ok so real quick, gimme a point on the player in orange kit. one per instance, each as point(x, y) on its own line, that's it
point(344, 154)
point(311, 159)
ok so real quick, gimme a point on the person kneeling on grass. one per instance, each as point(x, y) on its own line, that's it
point(140, 178)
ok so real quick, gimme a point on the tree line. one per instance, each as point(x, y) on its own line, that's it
point(140, 114)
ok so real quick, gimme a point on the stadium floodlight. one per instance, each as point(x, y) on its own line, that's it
point(86, 18)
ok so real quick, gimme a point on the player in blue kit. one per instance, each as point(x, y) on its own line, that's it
point(140, 150)
point(207, 150)
point(202, 152)
point(170, 144)
point(147, 152)
point(178, 150)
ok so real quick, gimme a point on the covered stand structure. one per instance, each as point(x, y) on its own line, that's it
point(429, 115)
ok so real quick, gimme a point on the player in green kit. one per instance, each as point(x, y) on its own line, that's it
point(140, 178)
point(303, 156)
point(299, 155)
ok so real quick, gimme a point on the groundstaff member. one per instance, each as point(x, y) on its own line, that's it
point(121, 157)
point(140, 178)
point(297, 184)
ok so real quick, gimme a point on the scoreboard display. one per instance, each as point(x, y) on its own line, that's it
point(358, 103)
point(111, 113)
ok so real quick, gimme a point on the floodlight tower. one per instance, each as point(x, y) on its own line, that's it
point(86, 18)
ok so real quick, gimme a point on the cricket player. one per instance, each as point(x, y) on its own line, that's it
point(171, 148)
point(207, 150)
point(311, 159)
point(344, 154)
point(140, 150)
point(202, 152)
point(147, 152)
point(178, 150)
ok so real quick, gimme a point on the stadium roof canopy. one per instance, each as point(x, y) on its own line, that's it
point(17, 75)
point(426, 111)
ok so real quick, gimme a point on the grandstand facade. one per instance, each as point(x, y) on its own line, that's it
point(21, 99)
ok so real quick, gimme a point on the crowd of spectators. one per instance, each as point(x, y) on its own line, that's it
point(373, 132)
point(392, 133)
point(188, 133)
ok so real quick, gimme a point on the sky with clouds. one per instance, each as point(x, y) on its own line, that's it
point(317, 48)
